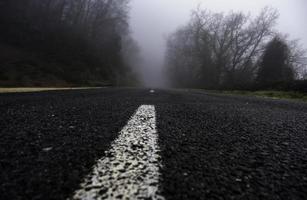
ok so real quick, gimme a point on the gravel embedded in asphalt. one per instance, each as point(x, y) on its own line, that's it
point(212, 146)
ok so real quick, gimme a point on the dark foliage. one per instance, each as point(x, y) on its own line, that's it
point(62, 41)
point(275, 65)
point(295, 85)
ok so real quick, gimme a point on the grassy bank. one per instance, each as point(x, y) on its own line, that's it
point(271, 94)
point(39, 89)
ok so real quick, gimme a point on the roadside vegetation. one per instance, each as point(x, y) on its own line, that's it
point(235, 51)
point(40, 89)
point(268, 93)
point(65, 43)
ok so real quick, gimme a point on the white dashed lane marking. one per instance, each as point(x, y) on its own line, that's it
point(130, 169)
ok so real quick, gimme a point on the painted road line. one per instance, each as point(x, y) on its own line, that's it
point(130, 169)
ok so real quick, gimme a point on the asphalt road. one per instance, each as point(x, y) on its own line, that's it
point(210, 146)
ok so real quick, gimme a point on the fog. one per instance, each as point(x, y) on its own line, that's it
point(152, 21)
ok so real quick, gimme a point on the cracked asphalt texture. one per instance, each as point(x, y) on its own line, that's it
point(212, 146)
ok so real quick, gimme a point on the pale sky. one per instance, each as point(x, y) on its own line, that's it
point(152, 20)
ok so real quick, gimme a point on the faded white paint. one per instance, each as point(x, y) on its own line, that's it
point(130, 169)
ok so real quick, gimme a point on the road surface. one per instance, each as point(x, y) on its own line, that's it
point(151, 144)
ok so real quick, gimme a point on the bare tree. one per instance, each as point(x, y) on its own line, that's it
point(182, 57)
point(297, 58)
point(221, 49)
point(236, 39)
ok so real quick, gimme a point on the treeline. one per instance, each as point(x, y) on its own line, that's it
point(233, 51)
point(78, 42)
